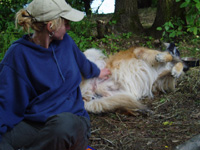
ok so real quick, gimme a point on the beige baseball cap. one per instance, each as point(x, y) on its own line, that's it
point(46, 10)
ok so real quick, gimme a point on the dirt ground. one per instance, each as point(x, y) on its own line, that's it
point(175, 119)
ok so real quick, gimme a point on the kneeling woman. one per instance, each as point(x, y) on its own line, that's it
point(41, 104)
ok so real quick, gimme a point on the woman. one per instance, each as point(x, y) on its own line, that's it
point(41, 105)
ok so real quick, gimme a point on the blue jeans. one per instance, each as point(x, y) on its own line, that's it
point(64, 131)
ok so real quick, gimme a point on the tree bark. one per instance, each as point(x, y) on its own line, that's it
point(166, 9)
point(126, 16)
point(144, 3)
point(87, 7)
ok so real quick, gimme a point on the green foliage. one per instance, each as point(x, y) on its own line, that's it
point(112, 22)
point(78, 4)
point(193, 50)
point(193, 15)
point(176, 28)
point(127, 35)
point(8, 9)
point(168, 123)
point(114, 42)
point(149, 41)
point(173, 29)
point(81, 33)
point(8, 37)
point(8, 33)
point(163, 100)
point(111, 41)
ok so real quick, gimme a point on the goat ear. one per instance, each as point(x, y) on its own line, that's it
point(166, 44)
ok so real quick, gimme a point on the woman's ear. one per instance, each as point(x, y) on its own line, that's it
point(50, 26)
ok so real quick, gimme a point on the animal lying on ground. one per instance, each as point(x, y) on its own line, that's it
point(136, 73)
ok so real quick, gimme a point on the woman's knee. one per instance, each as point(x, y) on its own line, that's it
point(65, 131)
point(67, 125)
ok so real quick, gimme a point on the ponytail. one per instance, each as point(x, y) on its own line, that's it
point(24, 19)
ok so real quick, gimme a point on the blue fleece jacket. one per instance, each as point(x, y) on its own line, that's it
point(37, 83)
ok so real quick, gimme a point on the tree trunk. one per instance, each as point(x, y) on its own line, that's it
point(144, 3)
point(126, 16)
point(87, 7)
point(166, 9)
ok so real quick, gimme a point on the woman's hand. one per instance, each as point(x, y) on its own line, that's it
point(104, 74)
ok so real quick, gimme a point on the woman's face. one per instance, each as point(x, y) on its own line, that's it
point(59, 34)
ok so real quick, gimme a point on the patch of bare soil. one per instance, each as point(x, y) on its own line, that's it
point(147, 16)
point(176, 115)
point(175, 119)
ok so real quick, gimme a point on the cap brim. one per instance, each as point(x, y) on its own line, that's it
point(73, 15)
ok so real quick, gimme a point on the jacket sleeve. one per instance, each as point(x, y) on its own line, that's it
point(88, 69)
point(13, 98)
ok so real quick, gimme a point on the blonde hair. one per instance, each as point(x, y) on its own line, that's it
point(24, 19)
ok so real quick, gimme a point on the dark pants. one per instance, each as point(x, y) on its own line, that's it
point(65, 131)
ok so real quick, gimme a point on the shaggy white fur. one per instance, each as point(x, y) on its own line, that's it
point(131, 80)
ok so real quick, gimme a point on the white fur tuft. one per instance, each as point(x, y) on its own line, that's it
point(131, 80)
